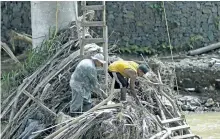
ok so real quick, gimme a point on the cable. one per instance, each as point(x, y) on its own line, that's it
point(171, 52)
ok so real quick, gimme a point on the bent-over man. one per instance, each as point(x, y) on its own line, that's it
point(124, 70)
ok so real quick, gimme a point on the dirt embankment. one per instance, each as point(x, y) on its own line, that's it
point(197, 77)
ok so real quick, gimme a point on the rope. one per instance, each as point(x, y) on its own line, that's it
point(171, 52)
point(56, 20)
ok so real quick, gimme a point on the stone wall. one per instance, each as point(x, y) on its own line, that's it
point(15, 16)
point(191, 24)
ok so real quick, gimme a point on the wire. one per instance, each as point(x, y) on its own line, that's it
point(171, 52)
point(56, 20)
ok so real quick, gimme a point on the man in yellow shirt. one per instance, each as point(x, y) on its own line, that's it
point(124, 70)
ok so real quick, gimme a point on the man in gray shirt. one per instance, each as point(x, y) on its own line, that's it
point(83, 81)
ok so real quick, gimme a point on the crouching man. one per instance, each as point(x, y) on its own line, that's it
point(124, 70)
point(83, 81)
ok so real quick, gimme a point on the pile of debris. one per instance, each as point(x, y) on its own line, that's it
point(39, 108)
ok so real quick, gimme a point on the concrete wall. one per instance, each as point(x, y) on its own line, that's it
point(191, 24)
point(43, 18)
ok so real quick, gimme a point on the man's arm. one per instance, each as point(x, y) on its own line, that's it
point(132, 75)
point(96, 87)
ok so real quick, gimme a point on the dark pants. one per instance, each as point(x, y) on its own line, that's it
point(122, 79)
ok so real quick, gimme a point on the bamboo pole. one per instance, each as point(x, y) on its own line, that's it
point(62, 130)
point(105, 35)
point(83, 34)
point(18, 36)
point(28, 80)
point(205, 49)
point(9, 52)
point(39, 103)
point(62, 65)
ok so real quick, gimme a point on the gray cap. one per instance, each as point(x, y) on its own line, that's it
point(99, 57)
point(143, 68)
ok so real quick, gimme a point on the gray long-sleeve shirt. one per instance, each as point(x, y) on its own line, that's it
point(82, 82)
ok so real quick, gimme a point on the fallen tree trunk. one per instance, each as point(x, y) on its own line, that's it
point(204, 49)
point(22, 37)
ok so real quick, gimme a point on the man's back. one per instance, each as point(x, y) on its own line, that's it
point(83, 70)
point(121, 65)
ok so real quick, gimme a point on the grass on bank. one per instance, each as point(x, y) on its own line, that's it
point(35, 57)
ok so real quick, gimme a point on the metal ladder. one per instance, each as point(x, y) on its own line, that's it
point(103, 40)
point(178, 128)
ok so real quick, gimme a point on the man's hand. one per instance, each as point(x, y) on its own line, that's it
point(134, 94)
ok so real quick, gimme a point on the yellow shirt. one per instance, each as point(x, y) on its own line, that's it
point(121, 65)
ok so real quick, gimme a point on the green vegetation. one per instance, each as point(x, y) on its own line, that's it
point(157, 6)
point(193, 40)
point(134, 49)
point(35, 58)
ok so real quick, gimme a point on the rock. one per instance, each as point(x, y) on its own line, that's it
point(15, 22)
point(210, 20)
point(190, 100)
point(185, 107)
point(129, 15)
point(139, 23)
point(188, 107)
point(111, 16)
point(205, 109)
point(183, 21)
point(179, 103)
point(205, 26)
point(195, 102)
point(216, 109)
point(199, 109)
point(188, 83)
point(211, 27)
point(209, 102)
point(214, 9)
point(178, 12)
point(126, 38)
point(217, 84)
point(206, 11)
point(210, 35)
point(208, 3)
point(198, 5)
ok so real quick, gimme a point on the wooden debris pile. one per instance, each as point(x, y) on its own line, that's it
point(46, 93)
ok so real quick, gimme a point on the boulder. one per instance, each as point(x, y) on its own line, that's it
point(210, 102)
point(194, 101)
